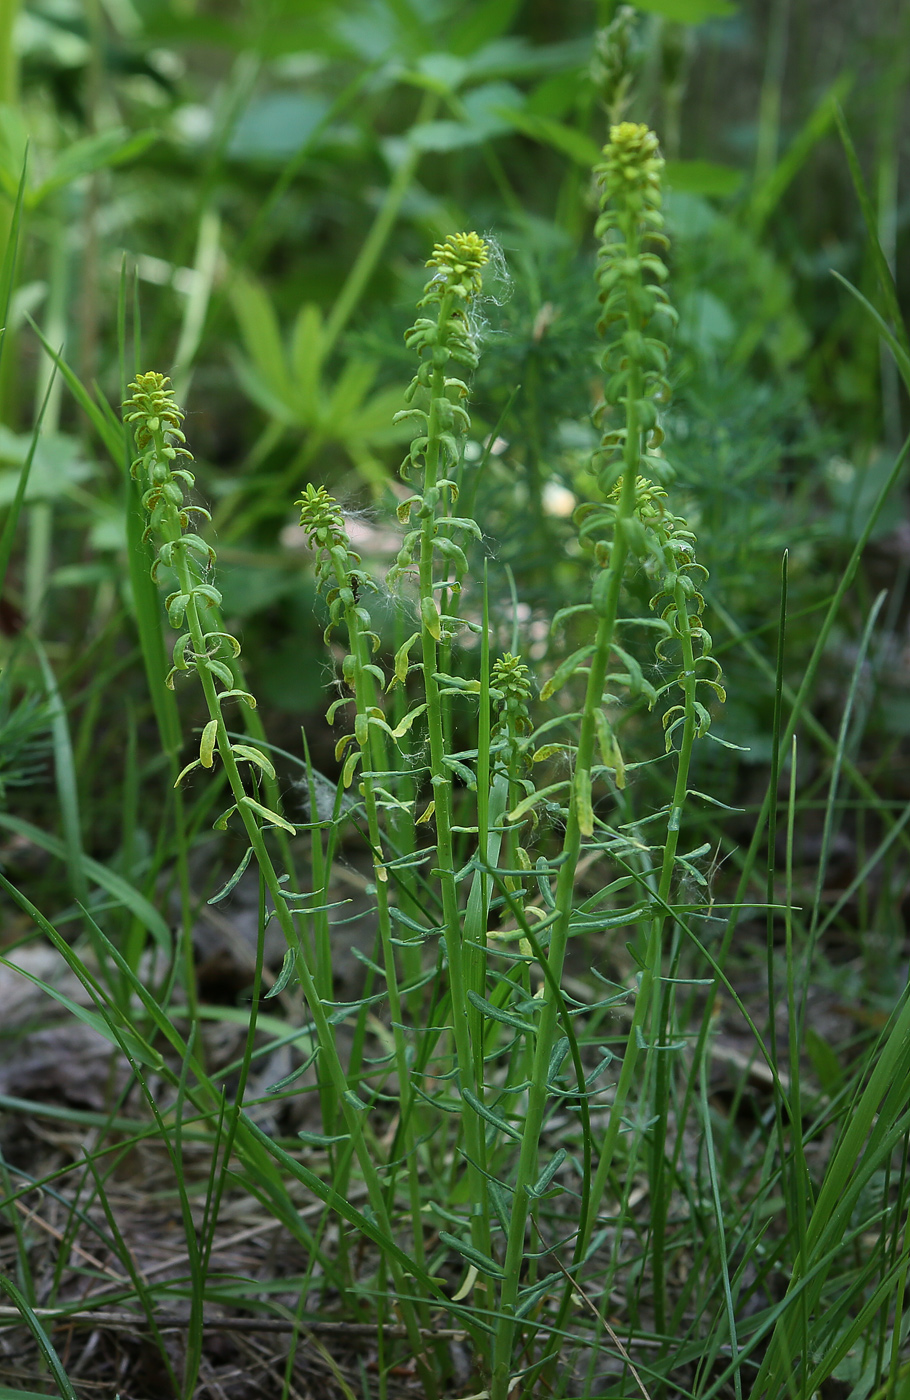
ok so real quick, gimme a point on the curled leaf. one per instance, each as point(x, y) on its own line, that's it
point(207, 744)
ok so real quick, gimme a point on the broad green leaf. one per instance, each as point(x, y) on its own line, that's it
point(443, 136)
point(443, 73)
point(479, 24)
point(57, 465)
point(275, 126)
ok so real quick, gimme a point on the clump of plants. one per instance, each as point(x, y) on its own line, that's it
point(476, 900)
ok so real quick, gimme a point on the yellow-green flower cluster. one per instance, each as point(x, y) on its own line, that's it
point(631, 169)
point(458, 262)
point(155, 417)
point(337, 566)
point(511, 690)
point(443, 343)
point(630, 275)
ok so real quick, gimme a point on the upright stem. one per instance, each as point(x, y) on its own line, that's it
point(441, 783)
point(538, 1094)
point(364, 264)
point(771, 91)
point(663, 998)
point(374, 757)
point(9, 67)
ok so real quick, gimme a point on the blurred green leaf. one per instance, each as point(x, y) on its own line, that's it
point(91, 153)
point(703, 177)
point(275, 126)
point(58, 465)
point(688, 11)
point(768, 193)
point(289, 386)
point(824, 1061)
point(482, 24)
point(442, 72)
point(445, 135)
point(261, 336)
point(566, 139)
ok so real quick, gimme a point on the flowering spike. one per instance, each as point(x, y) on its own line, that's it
point(631, 169)
point(151, 405)
point(458, 262)
point(321, 518)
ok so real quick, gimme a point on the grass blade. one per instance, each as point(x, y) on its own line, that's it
point(63, 1382)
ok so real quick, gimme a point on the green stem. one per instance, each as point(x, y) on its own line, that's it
point(538, 1094)
point(441, 784)
point(365, 263)
point(373, 749)
point(664, 998)
point(9, 67)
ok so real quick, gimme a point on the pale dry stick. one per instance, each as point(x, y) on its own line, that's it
point(180, 1259)
point(33, 1218)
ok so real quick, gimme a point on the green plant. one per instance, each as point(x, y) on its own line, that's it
point(631, 524)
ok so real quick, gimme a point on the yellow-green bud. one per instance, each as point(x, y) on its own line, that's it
point(458, 262)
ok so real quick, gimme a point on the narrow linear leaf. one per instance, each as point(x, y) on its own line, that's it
point(207, 744)
point(527, 803)
point(248, 753)
point(480, 1261)
point(63, 1382)
point(232, 882)
point(548, 1173)
point(286, 976)
point(268, 815)
point(496, 1013)
point(489, 1116)
point(566, 669)
point(119, 889)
